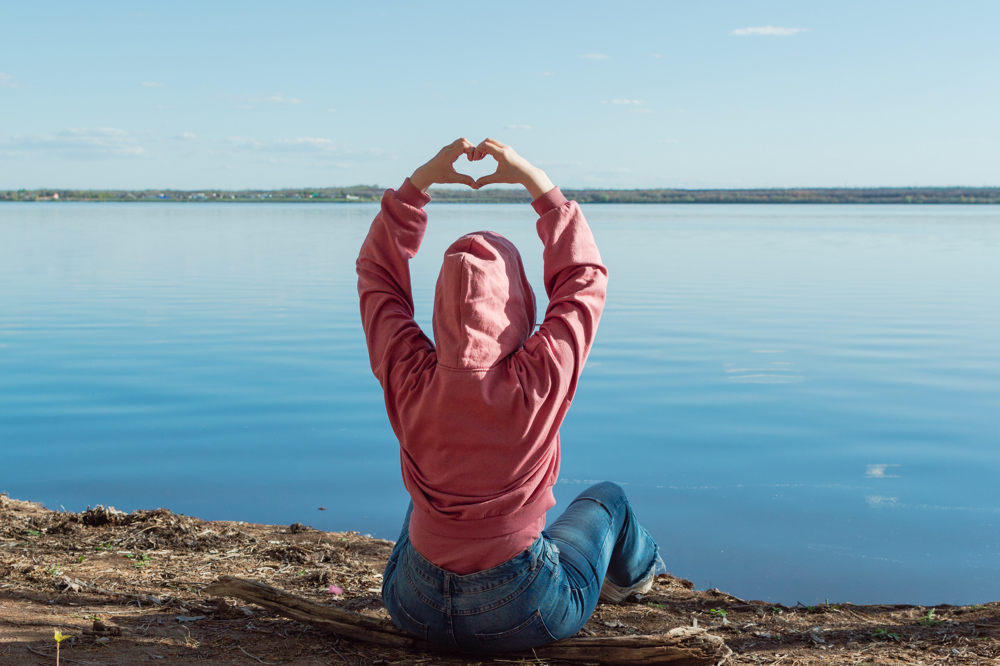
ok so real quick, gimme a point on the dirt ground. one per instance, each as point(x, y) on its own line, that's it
point(126, 589)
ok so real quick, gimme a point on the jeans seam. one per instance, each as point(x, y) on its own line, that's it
point(602, 504)
point(499, 603)
point(420, 595)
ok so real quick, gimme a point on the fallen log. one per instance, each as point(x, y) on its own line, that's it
point(683, 646)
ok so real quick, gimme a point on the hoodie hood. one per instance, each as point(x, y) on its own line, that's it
point(484, 308)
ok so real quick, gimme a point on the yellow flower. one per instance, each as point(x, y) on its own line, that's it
point(60, 636)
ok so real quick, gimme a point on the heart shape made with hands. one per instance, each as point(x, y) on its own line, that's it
point(484, 167)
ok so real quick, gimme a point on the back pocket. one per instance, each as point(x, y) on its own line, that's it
point(404, 620)
point(529, 634)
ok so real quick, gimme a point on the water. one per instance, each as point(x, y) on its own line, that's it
point(803, 402)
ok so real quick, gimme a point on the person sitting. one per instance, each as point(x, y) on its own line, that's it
point(477, 415)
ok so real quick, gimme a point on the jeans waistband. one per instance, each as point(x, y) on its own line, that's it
point(481, 581)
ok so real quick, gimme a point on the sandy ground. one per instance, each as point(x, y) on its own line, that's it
point(126, 588)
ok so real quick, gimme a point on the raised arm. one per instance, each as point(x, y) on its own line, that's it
point(383, 264)
point(576, 283)
point(575, 279)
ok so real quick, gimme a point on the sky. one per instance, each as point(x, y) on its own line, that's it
point(246, 94)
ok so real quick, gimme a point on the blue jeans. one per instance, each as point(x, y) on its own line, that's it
point(543, 594)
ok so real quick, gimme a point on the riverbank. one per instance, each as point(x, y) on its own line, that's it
point(127, 589)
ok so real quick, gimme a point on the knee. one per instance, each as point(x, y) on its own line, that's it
point(607, 493)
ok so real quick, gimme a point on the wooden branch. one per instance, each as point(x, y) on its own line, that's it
point(683, 646)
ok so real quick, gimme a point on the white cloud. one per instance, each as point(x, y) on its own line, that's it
point(305, 143)
point(278, 98)
point(84, 143)
point(8, 80)
point(768, 30)
point(519, 127)
point(186, 136)
point(335, 165)
point(152, 84)
point(655, 55)
point(622, 102)
point(595, 56)
point(281, 150)
point(243, 142)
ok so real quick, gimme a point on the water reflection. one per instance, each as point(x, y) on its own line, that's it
point(750, 363)
point(878, 472)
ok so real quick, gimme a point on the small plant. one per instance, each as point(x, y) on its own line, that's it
point(650, 603)
point(930, 620)
point(53, 571)
point(140, 560)
point(717, 612)
point(79, 559)
point(104, 547)
point(776, 610)
point(977, 607)
point(34, 533)
point(886, 635)
point(60, 637)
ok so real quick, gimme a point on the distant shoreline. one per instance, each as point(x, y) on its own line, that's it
point(372, 193)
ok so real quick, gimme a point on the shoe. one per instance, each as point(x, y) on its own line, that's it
point(611, 593)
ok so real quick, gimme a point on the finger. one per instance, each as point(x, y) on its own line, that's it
point(452, 176)
point(490, 180)
point(455, 148)
point(487, 148)
point(468, 149)
point(462, 179)
point(478, 153)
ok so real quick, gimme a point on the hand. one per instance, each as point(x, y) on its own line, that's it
point(441, 168)
point(511, 168)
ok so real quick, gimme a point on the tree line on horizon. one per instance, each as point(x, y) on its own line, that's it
point(371, 193)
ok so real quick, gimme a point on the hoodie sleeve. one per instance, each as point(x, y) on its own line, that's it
point(384, 279)
point(576, 284)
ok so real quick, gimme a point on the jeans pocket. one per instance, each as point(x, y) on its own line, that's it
point(404, 620)
point(529, 634)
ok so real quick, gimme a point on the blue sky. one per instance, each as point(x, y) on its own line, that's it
point(627, 94)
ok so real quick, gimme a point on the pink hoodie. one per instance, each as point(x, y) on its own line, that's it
point(478, 416)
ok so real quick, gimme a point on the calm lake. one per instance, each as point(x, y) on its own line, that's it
point(803, 402)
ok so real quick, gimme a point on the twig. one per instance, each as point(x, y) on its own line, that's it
point(49, 656)
point(338, 652)
point(253, 657)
